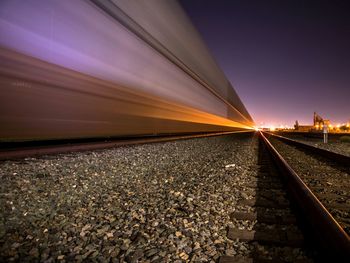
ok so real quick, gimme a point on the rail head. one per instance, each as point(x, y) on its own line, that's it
point(331, 237)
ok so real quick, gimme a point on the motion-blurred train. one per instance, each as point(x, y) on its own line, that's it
point(102, 68)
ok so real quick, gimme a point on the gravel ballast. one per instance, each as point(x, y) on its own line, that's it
point(166, 202)
point(337, 147)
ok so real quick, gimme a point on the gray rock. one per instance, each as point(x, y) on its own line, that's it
point(135, 256)
point(151, 252)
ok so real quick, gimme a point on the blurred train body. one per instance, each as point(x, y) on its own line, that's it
point(101, 68)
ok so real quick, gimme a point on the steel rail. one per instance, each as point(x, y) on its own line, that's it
point(78, 146)
point(332, 239)
point(333, 156)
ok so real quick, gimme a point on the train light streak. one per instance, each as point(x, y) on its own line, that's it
point(83, 69)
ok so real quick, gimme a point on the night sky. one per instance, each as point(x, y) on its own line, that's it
point(285, 59)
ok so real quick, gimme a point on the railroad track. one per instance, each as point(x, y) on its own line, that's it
point(323, 173)
point(334, 157)
point(273, 229)
point(18, 150)
point(278, 215)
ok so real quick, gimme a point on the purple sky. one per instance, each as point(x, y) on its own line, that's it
point(286, 59)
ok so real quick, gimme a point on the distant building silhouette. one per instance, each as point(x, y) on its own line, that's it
point(319, 122)
point(317, 126)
